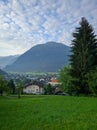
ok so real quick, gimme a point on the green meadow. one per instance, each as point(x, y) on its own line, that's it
point(48, 113)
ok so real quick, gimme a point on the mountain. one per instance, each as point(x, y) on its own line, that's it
point(3, 73)
point(7, 60)
point(48, 57)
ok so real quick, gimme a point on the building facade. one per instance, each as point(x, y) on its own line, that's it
point(33, 89)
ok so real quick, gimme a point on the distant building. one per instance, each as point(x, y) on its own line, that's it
point(54, 82)
point(56, 85)
point(33, 89)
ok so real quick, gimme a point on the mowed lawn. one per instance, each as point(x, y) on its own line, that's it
point(48, 113)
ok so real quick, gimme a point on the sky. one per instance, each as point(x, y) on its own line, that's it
point(26, 23)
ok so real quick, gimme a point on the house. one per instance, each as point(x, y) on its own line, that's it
point(33, 89)
point(54, 82)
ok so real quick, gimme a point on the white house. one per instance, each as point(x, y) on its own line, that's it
point(33, 89)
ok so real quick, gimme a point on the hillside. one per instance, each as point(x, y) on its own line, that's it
point(7, 60)
point(3, 73)
point(47, 57)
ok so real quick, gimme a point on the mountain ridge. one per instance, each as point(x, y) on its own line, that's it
point(7, 60)
point(50, 56)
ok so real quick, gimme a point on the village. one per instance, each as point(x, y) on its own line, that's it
point(37, 84)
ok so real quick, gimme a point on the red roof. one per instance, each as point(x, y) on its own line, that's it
point(55, 80)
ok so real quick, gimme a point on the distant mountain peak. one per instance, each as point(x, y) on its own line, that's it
point(7, 60)
point(47, 57)
point(51, 42)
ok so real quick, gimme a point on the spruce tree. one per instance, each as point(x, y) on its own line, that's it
point(83, 56)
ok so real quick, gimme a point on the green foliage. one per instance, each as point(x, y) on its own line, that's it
point(3, 85)
point(83, 56)
point(48, 113)
point(65, 79)
point(11, 86)
point(19, 88)
point(92, 82)
point(49, 89)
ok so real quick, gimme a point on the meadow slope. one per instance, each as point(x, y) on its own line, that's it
point(48, 113)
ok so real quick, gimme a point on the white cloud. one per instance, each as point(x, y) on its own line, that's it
point(26, 23)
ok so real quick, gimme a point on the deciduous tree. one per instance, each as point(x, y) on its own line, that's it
point(11, 86)
point(3, 85)
point(65, 80)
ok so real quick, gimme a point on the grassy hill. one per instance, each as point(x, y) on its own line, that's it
point(48, 113)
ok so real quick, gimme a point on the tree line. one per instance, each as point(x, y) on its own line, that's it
point(9, 87)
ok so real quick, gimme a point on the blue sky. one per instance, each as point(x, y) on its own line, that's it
point(25, 23)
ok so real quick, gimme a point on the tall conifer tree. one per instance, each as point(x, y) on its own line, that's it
point(83, 58)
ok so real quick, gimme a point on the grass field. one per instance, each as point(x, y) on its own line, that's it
point(48, 113)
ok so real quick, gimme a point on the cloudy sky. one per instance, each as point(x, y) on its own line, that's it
point(25, 23)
